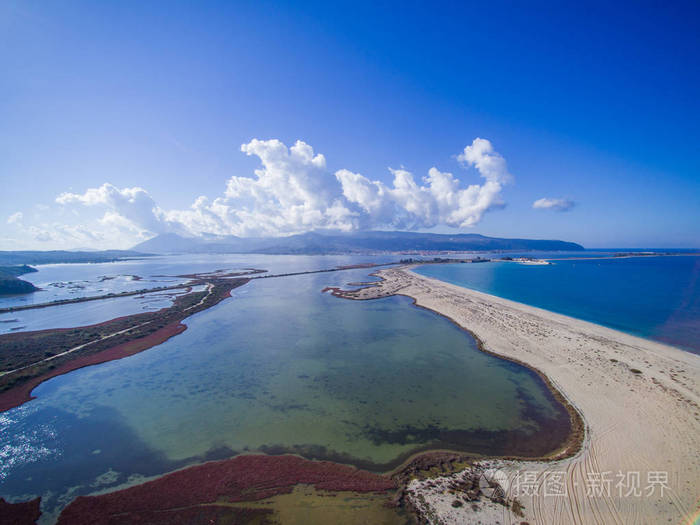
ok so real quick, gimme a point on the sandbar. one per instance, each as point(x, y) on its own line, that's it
point(640, 402)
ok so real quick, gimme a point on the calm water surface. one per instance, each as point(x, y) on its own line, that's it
point(279, 367)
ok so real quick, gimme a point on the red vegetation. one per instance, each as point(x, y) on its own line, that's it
point(22, 393)
point(180, 494)
point(19, 513)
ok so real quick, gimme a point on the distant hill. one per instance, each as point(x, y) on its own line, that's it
point(356, 242)
point(62, 256)
point(170, 243)
point(10, 284)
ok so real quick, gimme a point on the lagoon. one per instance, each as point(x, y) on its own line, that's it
point(279, 367)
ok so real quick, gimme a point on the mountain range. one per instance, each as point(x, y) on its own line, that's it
point(326, 242)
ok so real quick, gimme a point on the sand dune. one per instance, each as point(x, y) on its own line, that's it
point(640, 401)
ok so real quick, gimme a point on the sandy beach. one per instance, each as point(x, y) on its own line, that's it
point(640, 402)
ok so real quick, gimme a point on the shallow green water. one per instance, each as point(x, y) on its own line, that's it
point(280, 367)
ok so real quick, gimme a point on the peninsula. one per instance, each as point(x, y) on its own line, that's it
point(640, 401)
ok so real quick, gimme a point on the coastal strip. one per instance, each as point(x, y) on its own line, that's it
point(20, 394)
point(327, 270)
point(196, 280)
point(29, 358)
point(639, 400)
point(61, 302)
point(626, 255)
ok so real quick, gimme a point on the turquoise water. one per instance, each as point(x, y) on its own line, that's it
point(279, 367)
point(653, 297)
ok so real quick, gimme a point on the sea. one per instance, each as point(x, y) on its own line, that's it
point(281, 367)
point(656, 297)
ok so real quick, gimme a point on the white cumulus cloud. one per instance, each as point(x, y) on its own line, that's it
point(491, 165)
point(440, 200)
point(292, 191)
point(128, 206)
point(553, 204)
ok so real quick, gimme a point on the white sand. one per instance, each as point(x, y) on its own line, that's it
point(647, 425)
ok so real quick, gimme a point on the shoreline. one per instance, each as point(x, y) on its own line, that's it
point(74, 300)
point(570, 447)
point(624, 256)
point(22, 393)
point(195, 280)
point(681, 345)
point(132, 334)
point(637, 398)
point(578, 455)
point(573, 444)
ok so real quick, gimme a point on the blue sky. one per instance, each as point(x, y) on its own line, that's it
point(115, 117)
